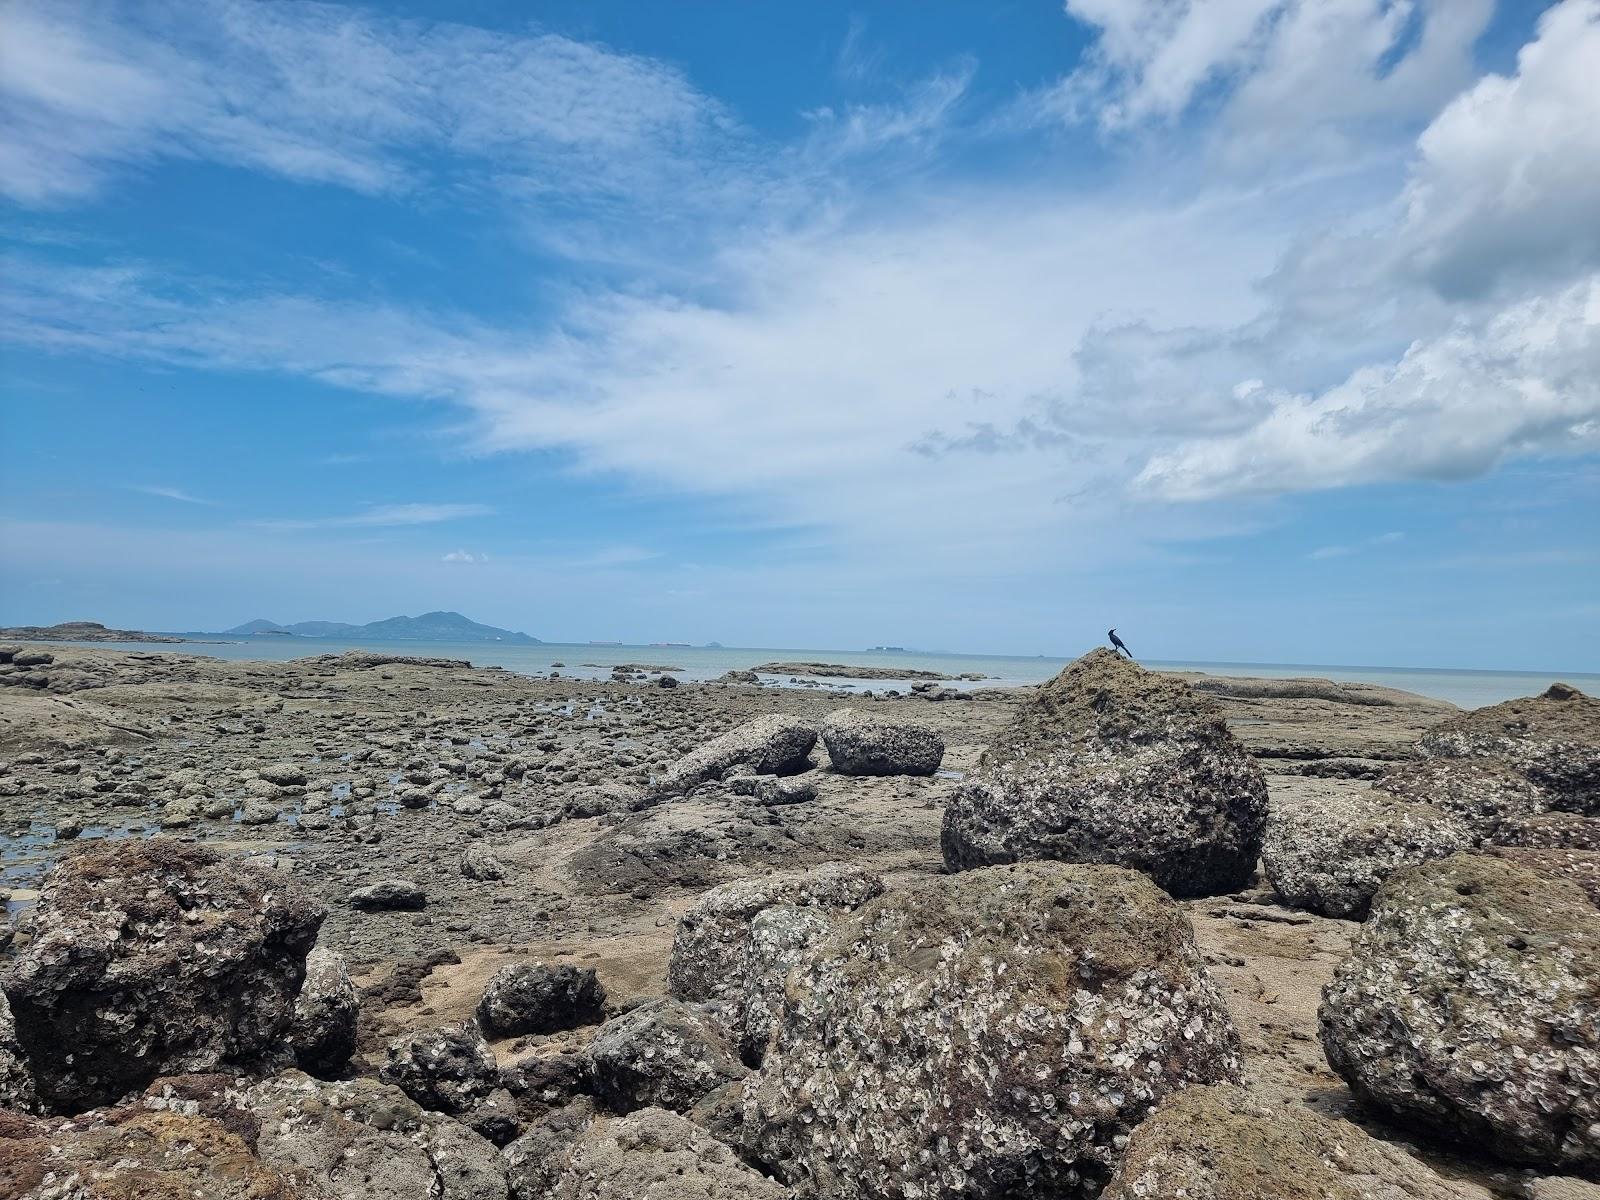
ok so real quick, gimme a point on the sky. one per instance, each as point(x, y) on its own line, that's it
point(1264, 330)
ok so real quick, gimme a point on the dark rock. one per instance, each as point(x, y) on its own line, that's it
point(536, 998)
point(17, 1090)
point(663, 1053)
point(1469, 1007)
point(449, 1069)
point(323, 1035)
point(388, 895)
point(155, 957)
point(1110, 763)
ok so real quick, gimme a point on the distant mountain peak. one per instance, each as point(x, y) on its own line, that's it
point(440, 626)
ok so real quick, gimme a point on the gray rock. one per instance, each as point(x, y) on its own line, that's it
point(656, 1155)
point(1220, 1143)
point(535, 1160)
point(362, 1138)
point(780, 936)
point(479, 862)
point(1485, 794)
point(664, 1054)
point(449, 1069)
point(862, 745)
point(283, 774)
point(774, 790)
point(1552, 738)
point(323, 1035)
point(990, 1033)
point(151, 958)
point(1110, 763)
point(388, 895)
point(769, 745)
point(1329, 851)
point(1469, 1006)
point(537, 998)
point(709, 946)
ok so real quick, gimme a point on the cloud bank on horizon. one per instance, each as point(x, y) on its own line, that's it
point(1198, 286)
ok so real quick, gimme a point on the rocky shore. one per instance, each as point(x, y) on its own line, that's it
point(370, 926)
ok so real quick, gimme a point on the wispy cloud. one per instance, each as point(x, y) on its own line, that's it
point(383, 515)
point(170, 493)
point(1344, 551)
point(464, 556)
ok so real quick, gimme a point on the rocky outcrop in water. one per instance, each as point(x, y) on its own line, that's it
point(1110, 763)
point(986, 1034)
point(1469, 1006)
point(152, 958)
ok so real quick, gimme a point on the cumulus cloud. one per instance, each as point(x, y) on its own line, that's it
point(1527, 381)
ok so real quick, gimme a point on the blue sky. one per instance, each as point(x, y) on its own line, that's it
point(1266, 330)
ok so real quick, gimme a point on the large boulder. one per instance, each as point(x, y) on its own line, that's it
point(449, 1069)
point(859, 744)
point(153, 958)
point(1582, 867)
point(1111, 763)
point(1330, 850)
point(1469, 1006)
point(653, 1154)
point(709, 946)
point(1220, 1143)
point(1552, 738)
point(993, 1033)
point(323, 1035)
point(538, 998)
point(663, 1054)
point(769, 745)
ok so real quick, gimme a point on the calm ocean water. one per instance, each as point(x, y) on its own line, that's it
point(1469, 689)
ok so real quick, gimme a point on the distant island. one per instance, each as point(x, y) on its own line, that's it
point(83, 631)
point(429, 627)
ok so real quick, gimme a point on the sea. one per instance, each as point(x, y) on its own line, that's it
point(1466, 689)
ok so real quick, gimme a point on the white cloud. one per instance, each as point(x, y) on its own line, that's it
point(1525, 382)
point(1345, 551)
point(464, 556)
point(1301, 78)
point(328, 94)
point(382, 515)
point(1507, 179)
point(170, 493)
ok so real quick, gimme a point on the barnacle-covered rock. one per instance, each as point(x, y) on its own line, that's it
point(709, 946)
point(1485, 794)
point(1111, 763)
point(16, 1081)
point(859, 744)
point(1328, 851)
point(1582, 867)
point(1469, 1006)
point(769, 745)
point(539, 998)
point(993, 1033)
point(653, 1154)
point(664, 1054)
point(449, 1069)
point(154, 958)
point(1220, 1143)
point(323, 1035)
point(1552, 738)
point(780, 937)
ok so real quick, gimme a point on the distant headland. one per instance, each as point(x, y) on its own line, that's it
point(429, 627)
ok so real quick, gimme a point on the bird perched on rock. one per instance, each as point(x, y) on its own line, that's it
point(1118, 643)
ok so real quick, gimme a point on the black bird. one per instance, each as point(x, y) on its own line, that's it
point(1117, 642)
